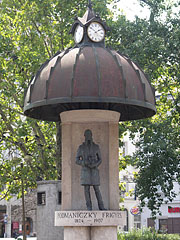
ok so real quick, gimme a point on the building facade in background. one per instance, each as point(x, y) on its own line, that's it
point(40, 207)
point(169, 222)
point(11, 216)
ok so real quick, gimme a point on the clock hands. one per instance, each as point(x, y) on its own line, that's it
point(98, 30)
point(95, 30)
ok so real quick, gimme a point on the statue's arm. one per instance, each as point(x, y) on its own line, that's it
point(98, 158)
point(79, 157)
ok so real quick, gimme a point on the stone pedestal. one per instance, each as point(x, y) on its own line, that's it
point(104, 127)
point(90, 224)
point(90, 233)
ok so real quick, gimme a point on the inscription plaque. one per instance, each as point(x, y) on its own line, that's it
point(90, 218)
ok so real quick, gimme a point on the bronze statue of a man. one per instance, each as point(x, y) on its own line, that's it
point(89, 157)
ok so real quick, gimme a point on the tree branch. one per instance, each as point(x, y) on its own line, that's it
point(45, 43)
point(10, 128)
point(4, 196)
point(38, 132)
point(148, 3)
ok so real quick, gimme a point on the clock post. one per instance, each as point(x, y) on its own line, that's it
point(90, 191)
point(90, 4)
point(89, 88)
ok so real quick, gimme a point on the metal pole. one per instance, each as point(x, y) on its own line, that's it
point(23, 204)
point(90, 4)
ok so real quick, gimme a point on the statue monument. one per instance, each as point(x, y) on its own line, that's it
point(90, 88)
point(89, 157)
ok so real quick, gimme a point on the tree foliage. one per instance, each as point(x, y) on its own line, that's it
point(155, 44)
point(32, 31)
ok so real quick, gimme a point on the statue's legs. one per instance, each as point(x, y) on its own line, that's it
point(88, 197)
point(99, 197)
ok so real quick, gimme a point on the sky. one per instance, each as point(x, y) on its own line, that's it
point(131, 8)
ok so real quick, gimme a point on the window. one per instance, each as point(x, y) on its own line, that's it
point(137, 218)
point(125, 149)
point(59, 198)
point(163, 225)
point(130, 187)
point(41, 198)
point(150, 222)
point(137, 221)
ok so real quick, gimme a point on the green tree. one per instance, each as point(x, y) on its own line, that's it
point(158, 149)
point(31, 31)
point(155, 44)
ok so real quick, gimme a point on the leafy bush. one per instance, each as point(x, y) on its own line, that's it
point(146, 234)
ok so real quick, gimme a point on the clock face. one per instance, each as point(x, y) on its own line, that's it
point(96, 32)
point(78, 34)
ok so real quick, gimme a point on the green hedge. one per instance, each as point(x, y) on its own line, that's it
point(146, 234)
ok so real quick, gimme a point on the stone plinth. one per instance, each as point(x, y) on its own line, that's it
point(104, 127)
point(89, 218)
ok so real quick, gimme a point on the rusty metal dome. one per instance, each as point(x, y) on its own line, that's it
point(89, 77)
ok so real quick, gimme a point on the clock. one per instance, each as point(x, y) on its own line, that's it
point(78, 34)
point(96, 32)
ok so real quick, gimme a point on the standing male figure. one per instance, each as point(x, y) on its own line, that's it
point(89, 157)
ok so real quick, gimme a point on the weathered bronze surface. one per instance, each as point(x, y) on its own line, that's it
point(89, 157)
point(89, 77)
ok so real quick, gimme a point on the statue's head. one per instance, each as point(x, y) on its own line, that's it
point(88, 135)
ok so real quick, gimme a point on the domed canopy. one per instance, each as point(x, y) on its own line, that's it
point(89, 77)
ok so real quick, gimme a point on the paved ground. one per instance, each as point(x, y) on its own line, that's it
point(29, 238)
point(7, 238)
